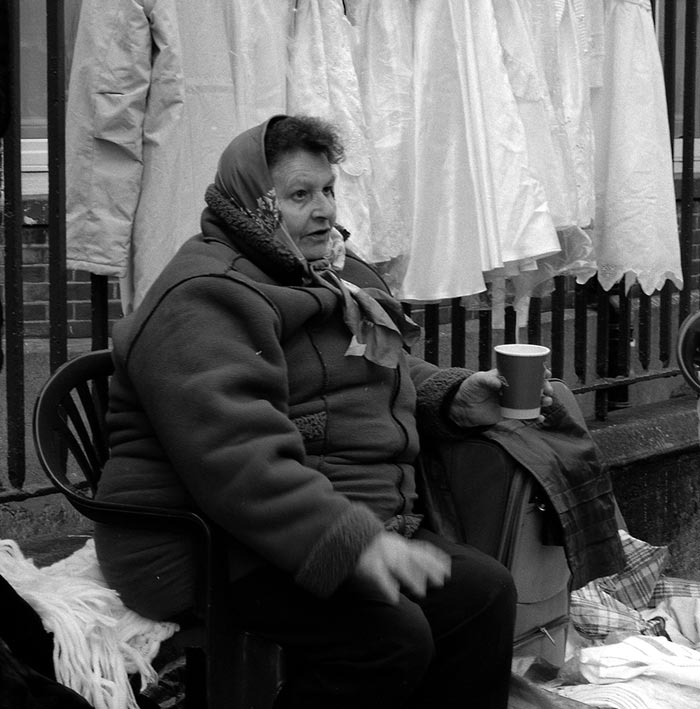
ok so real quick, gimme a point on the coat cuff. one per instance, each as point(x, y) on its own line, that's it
point(334, 557)
point(433, 398)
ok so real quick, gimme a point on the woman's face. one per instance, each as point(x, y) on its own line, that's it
point(303, 183)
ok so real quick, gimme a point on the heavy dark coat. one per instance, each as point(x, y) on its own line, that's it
point(233, 394)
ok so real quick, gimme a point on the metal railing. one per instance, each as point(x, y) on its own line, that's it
point(599, 340)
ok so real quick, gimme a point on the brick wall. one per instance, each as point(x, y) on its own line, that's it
point(35, 274)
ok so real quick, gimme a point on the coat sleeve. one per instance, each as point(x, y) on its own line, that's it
point(435, 388)
point(120, 47)
point(212, 376)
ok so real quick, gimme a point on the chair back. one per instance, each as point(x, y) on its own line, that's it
point(69, 428)
point(70, 438)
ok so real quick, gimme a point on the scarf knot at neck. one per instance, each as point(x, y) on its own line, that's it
point(379, 327)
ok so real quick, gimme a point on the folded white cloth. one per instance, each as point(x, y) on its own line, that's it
point(682, 617)
point(98, 642)
point(637, 693)
point(641, 655)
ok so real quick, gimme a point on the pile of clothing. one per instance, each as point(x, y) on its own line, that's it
point(634, 641)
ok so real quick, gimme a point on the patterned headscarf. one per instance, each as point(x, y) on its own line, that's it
point(378, 325)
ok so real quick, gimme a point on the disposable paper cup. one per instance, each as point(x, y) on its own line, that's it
point(522, 367)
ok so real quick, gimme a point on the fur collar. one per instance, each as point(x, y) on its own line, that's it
point(256, 244)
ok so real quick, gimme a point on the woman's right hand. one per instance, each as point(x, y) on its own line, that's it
point(392, 563)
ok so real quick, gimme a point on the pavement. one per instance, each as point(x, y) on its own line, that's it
point(46, 549)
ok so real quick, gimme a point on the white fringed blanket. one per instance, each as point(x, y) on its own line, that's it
point(97, 640)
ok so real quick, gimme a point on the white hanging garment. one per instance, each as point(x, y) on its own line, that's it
point(576, 93)
point(595, 18)
point(322, 82)
point(384, 64)
point(477, 205)
point(635, 224)
point(445, 257)
point(561, 38)
point(552, 53)
point(257, 50)
point(178, 167)
point(549, 155)
point(149, 111)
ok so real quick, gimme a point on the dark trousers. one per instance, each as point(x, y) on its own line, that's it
point(452, 648)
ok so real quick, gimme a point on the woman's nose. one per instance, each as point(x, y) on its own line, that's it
point(324, 206)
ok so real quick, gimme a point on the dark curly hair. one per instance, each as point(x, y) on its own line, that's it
point(286, 135)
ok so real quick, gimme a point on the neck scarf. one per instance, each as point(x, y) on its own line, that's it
point(378, 327)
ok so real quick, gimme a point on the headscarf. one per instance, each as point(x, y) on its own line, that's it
point(376, 321)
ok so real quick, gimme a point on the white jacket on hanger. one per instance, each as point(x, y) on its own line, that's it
point(151, 105)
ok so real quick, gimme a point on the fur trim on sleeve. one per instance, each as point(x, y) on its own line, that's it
point(434, 396)
point(335, 555)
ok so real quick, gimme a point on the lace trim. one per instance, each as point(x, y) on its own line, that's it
point(405, 525)
point(311, 426)
point(267, 215)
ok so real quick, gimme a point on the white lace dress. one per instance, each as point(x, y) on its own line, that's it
point(635, 223)
point(548, 147)
point(257, 52)
point(322, 82)
point(478, 207)
point(529, 37)
point(561, 38)
point(384, 63)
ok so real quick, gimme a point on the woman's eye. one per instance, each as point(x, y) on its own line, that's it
point(299, 194)
point(329, 191)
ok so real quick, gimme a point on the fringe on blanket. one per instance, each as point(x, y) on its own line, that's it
point(98, 642)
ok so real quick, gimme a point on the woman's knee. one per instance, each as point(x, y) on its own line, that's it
point(381, 663)
point(486, 573)
point(405, 641)
point(487, 592)
point(504, 584)
point(504, 595)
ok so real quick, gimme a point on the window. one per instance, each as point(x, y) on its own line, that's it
point(32, 18)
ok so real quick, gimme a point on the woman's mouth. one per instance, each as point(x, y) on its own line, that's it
point(320, 235)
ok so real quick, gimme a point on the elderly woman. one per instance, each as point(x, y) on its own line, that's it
point(264, 381)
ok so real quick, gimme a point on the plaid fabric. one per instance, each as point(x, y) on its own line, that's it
point(614, 603)
point(595, 613)
point(635, 584)
point(668, 587)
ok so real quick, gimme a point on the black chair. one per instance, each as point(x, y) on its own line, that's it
point(225, 667)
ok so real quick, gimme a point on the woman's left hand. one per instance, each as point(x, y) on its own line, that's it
point(476, 401)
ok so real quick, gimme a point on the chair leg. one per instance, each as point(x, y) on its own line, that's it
point(247, 674)
point(195, 678)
